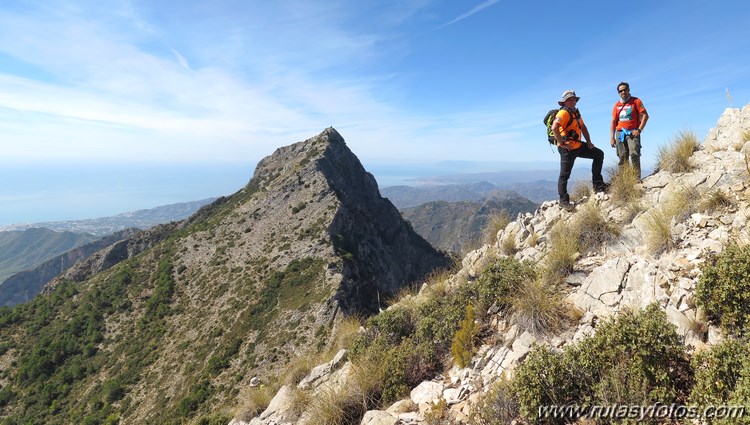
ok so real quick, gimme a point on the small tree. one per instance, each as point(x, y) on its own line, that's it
point(463, 341)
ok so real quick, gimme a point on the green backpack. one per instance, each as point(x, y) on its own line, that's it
point(549, 119)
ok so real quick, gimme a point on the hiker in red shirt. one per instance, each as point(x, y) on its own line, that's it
point(629, 116)
point(569, 129)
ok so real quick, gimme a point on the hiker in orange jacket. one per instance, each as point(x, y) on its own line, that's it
point(568, 129)
point(629, 116)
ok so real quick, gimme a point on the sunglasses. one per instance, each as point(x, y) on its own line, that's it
point(622, 91)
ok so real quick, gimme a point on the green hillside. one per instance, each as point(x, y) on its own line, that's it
point(21, 250)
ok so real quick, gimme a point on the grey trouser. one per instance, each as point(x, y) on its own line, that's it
point(630, 149)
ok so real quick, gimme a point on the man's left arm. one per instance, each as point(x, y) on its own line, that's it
point(643, 117)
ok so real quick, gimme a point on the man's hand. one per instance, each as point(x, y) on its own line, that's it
point(612, 142)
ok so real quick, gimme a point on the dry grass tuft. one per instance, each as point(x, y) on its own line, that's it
point(592, 228)
point(675, 157)
point(624, 186)
point(683, 202)
point(497, 223)
point(256, 400)
point(562, 254)
point(539, 308)
point(533, 239)
point(715, 200)
point(508, 245)
point(581, 189)
point(659, 231)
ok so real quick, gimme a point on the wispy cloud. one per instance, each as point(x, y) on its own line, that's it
point(473, 11)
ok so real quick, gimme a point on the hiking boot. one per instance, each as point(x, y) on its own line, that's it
point(566, 205)
point(601, 188)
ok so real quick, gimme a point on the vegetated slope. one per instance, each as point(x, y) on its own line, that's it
point(20, 250)
point(455, 226)
point(171, 334)
point(25, 285)
point(141, 219)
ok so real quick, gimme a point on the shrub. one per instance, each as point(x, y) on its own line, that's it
point(498, 406)
point(716, 372)
point(499, 281)
point(462, 346)
point(636, 356)
point(724, 289)
point(675, 157)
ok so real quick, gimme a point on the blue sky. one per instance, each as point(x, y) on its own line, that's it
point(210, 88)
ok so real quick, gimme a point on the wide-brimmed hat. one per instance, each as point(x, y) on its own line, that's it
point(567, 94)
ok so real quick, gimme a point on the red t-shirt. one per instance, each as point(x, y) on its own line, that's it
point(629, 113)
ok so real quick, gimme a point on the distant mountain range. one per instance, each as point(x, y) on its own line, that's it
point(535, 185)
point(457, 226)
point(141, 219)
point(32, 254)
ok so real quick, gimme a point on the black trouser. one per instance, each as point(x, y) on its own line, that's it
point(568, 158)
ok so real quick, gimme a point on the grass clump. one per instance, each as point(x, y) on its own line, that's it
point(659, 231)
point(538, 308)
point(723, 289)
point(256, 400)
point(634, 358)
point(675, 157)
point(562, 254)
point(587, 230)
point(659, 221)
point(592, 227)
point(624, 188)
point(581, 190)
point(412, 344)
point(715, 200)
point(508, 245)
point(497, 223)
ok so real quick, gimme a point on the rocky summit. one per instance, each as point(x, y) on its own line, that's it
point(623, 262)
point(168, 325)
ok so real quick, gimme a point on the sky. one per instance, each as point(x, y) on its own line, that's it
point(107, 107)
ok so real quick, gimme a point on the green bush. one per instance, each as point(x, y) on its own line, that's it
point(722, 378)
point(636, 357)
point(716, 372)
point(724, 289)
point(498, 406)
